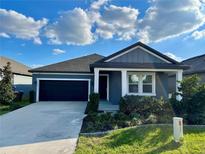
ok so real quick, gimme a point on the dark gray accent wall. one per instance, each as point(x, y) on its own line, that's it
point(162, 85)
point(35, 76)
point(138, 56)
point(115, 87)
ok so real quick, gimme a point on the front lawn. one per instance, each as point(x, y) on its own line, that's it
point(150, 139)
point(8, 108)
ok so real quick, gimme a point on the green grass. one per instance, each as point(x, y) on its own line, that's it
point(144, 140)
point(8, 108)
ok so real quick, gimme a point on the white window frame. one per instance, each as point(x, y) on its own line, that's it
point(140, 84)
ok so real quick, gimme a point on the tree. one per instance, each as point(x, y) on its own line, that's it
point(6, 92)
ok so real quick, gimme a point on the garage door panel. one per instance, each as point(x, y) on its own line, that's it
point(57, 90)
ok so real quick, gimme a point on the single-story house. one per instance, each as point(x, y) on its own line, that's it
point(135, 70)
point(196, 66)
point(22, 79)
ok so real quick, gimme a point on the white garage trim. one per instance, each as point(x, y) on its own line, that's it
point(58, 79)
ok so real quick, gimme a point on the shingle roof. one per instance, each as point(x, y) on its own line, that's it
point(76, 65)
point(16, 67)
point(197, 64)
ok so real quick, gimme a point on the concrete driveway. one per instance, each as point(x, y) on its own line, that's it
point(43, 128)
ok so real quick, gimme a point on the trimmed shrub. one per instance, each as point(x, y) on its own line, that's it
point(31, 96)
point(196, 108)
point(147, 108)
point(192, 105)
point(108, 121)
point(93, 103)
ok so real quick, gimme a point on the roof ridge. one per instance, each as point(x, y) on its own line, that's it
point(194, 57)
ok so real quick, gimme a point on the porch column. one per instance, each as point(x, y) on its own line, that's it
point(96, 80)
point(124, 82)
point(179, 76)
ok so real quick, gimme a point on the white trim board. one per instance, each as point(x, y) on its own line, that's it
point(63, 73)
point(58, 79)
point(138, 69)
point(86, 74)
point(136, 48)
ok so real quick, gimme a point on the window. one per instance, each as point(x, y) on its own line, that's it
point(134, 83)
point(141, 83)
point(147, 83)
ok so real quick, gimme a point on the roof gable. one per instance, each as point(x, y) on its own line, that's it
point(137, 55)
point(149, 52)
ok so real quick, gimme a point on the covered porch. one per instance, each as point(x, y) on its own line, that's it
point(107, 106)
point(154, 83)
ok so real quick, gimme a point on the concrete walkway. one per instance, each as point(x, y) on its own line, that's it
point(42, 128)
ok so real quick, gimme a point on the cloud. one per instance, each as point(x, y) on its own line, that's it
point(19, 53)
point(82, 27)
point(20, 26)
point(170, 18)
point(171, 55)
point(36, 65)
point(72, 27)
point(97, 4)
point(198, 34)
point(58, 51)
point(4, 35)
point(117, 21)
point(162, 20)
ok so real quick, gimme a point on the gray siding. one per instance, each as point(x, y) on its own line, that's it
point(172, 81)
point(114, 83)
point(35, 76)
point(115, 87)
point(25, 88)
point(138, 56)
point(162, 85)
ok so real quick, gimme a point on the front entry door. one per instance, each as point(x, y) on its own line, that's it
point(103, 87)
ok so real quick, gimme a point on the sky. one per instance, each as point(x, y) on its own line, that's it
point(38, 33)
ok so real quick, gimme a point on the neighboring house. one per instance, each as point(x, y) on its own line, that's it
point(22, 79)
point(196, 66)
point(135, 70)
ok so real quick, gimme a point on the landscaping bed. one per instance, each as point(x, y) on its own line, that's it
point(13, 106)
point(148, 139)
point(134, 110)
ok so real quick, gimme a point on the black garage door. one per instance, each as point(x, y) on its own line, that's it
point(58, 90)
